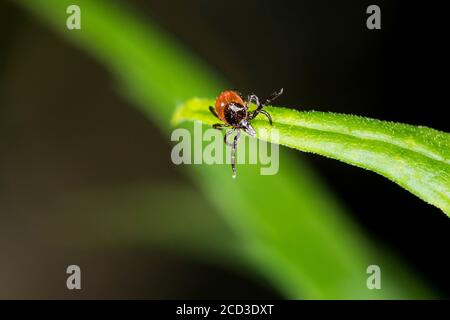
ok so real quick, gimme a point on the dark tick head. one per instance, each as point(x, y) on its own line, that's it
point(235, 113)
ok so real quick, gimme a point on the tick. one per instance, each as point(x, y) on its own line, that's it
point(232, 110)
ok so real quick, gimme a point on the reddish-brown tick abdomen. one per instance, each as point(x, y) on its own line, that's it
point(224, 99)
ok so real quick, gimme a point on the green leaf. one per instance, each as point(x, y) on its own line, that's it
point(415, 157)
point(294, 232)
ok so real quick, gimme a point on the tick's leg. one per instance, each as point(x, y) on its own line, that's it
point(233, 152)
point(272, 97)
point(219, 126)
point(225, 138)
point(269, 100)
point(213, 112)
point(267, 115)
point(253, 98)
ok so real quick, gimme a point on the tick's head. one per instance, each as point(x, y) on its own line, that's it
point(235, 113)
point(248, 128)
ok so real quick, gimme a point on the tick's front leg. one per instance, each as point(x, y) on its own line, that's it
point(272, 97)
point(267, 115)
point(233, 152)
point(253, 98)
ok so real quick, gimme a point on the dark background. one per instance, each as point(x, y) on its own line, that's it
point(321, 53)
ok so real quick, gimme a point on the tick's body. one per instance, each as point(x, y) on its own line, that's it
point(233, 111)
point(231, 108)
